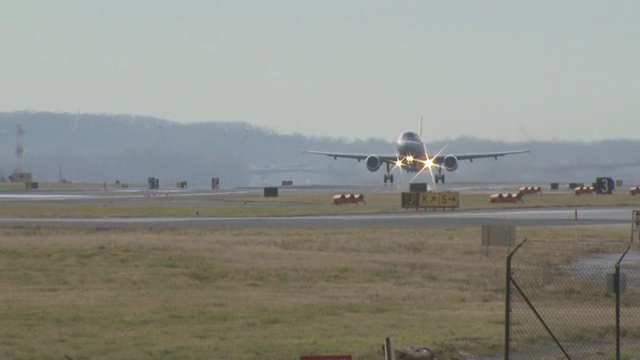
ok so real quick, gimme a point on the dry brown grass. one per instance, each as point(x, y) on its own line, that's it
point(252, 294)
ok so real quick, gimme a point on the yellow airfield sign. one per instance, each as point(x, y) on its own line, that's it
point(445, 199)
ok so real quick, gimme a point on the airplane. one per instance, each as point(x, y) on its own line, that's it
point(412, 156)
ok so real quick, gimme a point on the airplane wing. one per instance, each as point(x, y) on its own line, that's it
point(447, 162)
point(440, 158)
point(385, 158)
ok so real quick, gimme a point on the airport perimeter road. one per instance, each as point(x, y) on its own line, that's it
point(617, 216)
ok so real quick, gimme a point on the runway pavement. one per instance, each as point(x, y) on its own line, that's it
point(455, 219)
point(596, 216)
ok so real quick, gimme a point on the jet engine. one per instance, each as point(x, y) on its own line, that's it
point(373, 162)
point(450, 163)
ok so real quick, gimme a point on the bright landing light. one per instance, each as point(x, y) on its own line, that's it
point(428, 164)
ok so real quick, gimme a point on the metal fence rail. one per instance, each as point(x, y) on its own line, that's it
point(577, 302)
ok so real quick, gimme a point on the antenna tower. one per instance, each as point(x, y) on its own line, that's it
point(19, 150)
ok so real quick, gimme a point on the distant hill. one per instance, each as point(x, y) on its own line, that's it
point(128, 148)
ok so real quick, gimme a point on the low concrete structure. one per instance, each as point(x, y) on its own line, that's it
point(23, 177)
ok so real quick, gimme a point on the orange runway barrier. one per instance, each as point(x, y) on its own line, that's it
point(348, 199)
point(505, 198)
point(581, 190)
point(528, 190)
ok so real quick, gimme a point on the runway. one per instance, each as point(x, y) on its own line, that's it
point(594, 216)
point(452, 219)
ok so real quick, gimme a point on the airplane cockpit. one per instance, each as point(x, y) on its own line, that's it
point(409, 136)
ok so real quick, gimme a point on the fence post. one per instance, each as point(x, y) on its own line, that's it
point(617, 288)
point(635, 223)
point(389, 352)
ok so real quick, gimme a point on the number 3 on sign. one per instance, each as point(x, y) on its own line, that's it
point(604, 185)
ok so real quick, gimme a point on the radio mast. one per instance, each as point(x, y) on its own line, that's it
point(19, 150)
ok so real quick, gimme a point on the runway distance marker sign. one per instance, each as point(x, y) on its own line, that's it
point(444, 200)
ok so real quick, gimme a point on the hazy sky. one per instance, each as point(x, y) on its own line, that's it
point(512, 70)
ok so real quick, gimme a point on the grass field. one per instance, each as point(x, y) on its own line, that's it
point(284, 205)
point(255, 294)
point(259, 294)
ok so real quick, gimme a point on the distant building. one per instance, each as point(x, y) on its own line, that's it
point(21, 177)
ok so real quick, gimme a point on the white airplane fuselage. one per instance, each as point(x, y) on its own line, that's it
point(410, 148)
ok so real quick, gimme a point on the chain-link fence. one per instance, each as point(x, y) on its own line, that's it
point(573, 301)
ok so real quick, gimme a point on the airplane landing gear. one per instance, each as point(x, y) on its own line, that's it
point(388, 177)
point(439, 177)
